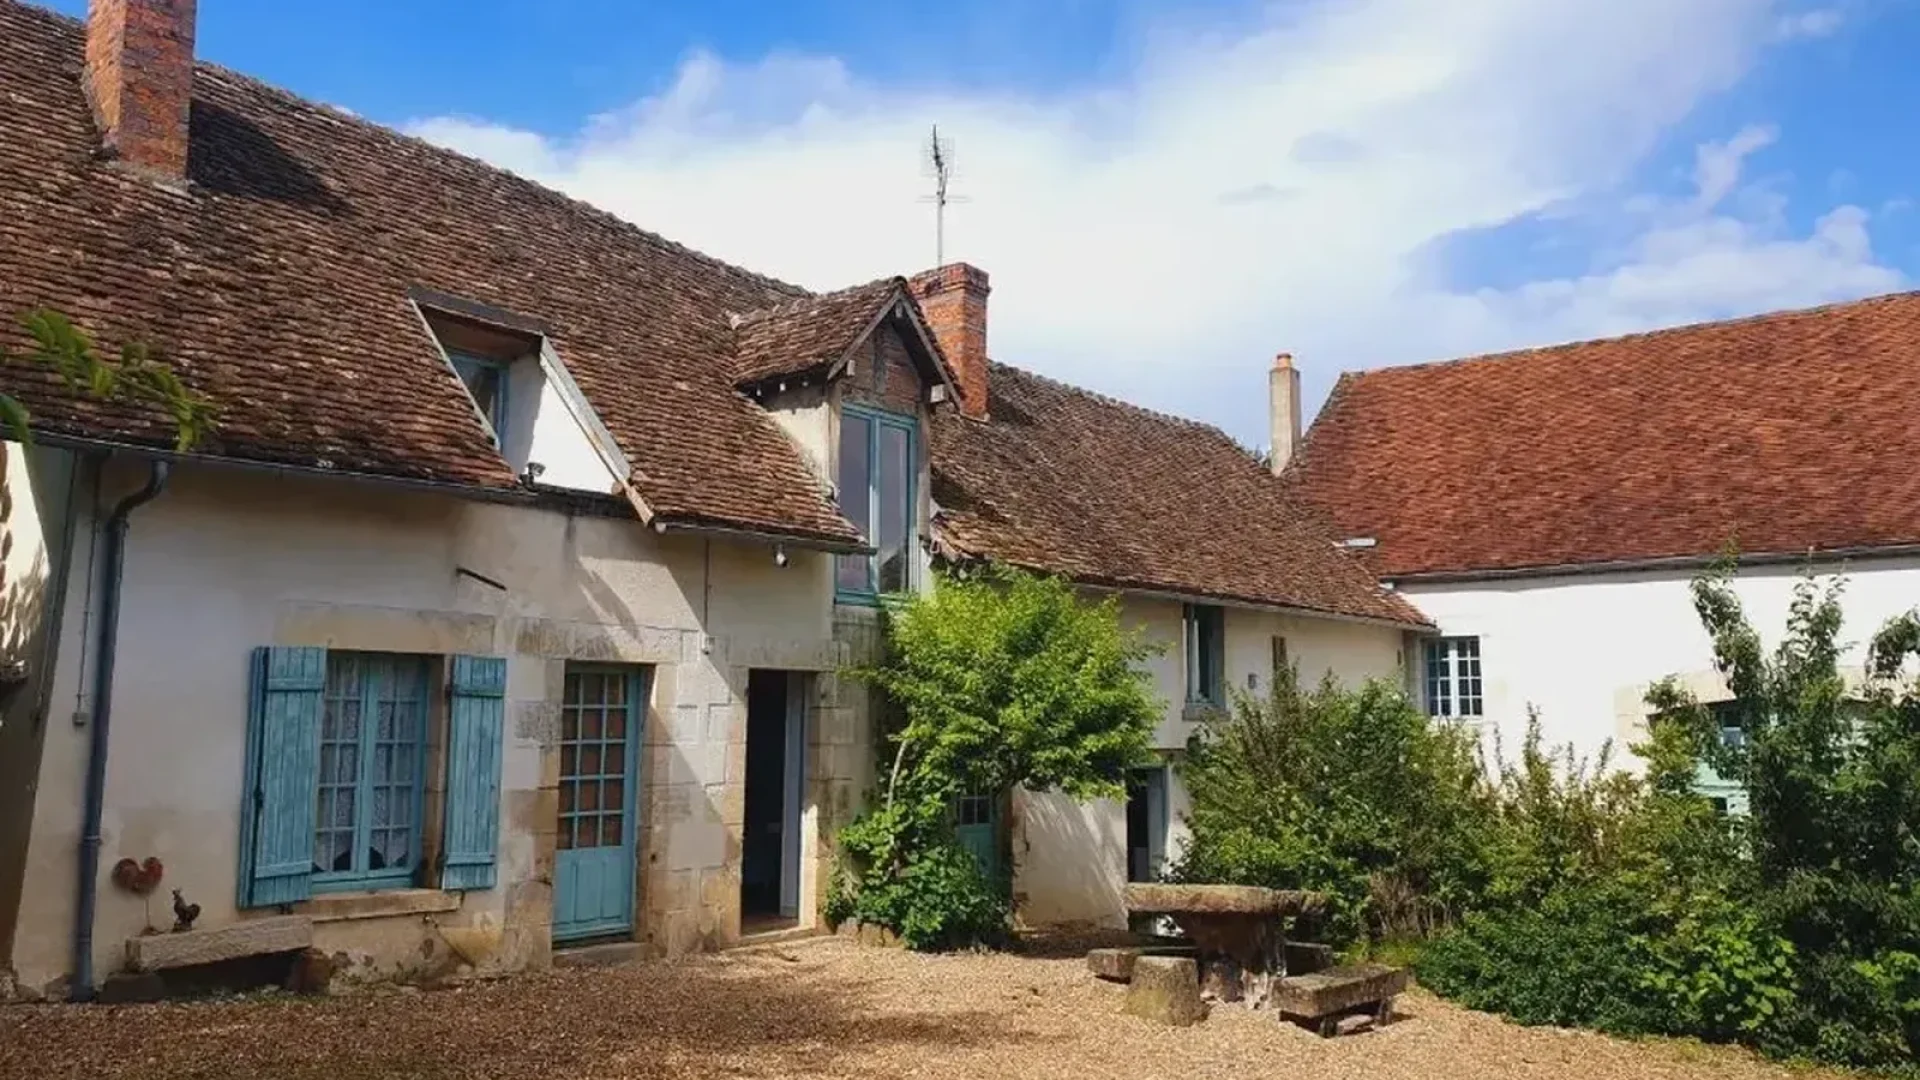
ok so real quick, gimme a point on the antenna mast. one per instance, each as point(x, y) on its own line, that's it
point(939, 165)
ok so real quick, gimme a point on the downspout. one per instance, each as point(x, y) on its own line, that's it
point(81, 988)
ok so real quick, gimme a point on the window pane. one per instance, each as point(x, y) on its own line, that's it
point(1439, 686)
point(854, 572)
point(483, 382)
point(891, 484)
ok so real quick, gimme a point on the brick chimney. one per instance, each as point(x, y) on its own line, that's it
point(954, 298)
point(139, 78)
point(1283, 410)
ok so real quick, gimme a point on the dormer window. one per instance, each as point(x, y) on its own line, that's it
point(490, 358)
point(521, 394)
point(486, 380)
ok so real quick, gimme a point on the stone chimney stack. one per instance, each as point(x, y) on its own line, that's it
point(1283, 404)
point(139, 77)
point(954, 298)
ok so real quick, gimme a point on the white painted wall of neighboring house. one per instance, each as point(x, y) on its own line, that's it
point(1070, 860)
point(1585, 648)
point(225, 560)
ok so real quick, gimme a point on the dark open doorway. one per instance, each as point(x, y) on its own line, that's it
point(770, 845)
point(1146, 823)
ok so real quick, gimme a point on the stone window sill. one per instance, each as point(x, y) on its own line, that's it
point(1195, 712)
point(385, 904)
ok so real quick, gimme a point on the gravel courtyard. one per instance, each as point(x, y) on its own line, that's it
point(823, 1008)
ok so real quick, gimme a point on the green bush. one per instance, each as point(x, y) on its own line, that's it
point(900, 868)
point(1354, 794)
point(1568, 892)
point(1597, 954)
point(998, 679)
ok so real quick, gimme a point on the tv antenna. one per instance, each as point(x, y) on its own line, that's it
point(939, 167)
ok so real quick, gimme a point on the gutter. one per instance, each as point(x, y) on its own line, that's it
point(525, 495)
point(1671, 562)
point(833, 547)
point(1250, 605)
point(81, 988)
point(473, 492)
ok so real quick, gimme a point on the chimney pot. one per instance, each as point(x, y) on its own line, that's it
point(1283, 405)
point(139, 79)
point(954, 300)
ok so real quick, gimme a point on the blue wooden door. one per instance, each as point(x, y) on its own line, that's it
point(976, 824)
point(594, 865)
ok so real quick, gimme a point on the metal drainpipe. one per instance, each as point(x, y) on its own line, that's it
point(116, 543)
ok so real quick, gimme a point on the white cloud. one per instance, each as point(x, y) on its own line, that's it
point(1160, 237)
point(1817, 23)
point(1717, 166)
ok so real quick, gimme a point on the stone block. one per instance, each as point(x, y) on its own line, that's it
point(1306, 957)
point(312, 973)
point(254, 937)
point(1337, 990)
point(609, 954)
point(671, 890)
point(390, 903)
point(1175, 900)
point(131, 988)
point(1166, 989)
point(1117, 963)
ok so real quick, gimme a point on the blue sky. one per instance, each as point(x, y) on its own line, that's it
point(1167, 194)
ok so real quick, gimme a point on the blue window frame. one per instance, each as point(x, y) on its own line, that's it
point(879, 469)
point(486, 381)
point(372, 765)
point(1206, 633)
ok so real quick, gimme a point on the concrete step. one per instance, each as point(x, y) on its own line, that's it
point(606, 954)
point(781, 936)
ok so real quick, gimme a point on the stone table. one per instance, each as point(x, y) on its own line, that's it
point(1236, 929)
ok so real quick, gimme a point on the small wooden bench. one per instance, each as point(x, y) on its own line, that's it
point(1319, 1000)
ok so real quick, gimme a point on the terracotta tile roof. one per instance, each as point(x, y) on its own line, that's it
point(808, 332)
point(1070, 482)
point(1783, 432)
point(278, 285)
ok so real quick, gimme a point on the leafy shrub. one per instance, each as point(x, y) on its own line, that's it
point(900, 868)
point(1355, 794)
point(1596, 954)
point(999, 679)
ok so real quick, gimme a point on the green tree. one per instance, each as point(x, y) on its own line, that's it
point(1832, 775)
point(997, 679)
point(136, 376)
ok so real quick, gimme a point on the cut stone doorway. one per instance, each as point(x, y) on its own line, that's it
point(770, 848)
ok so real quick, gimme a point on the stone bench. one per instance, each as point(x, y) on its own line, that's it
point(191, 948)
point(1322, 998)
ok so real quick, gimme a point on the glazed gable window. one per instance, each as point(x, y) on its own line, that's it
point(1453, 678)
point(879, 461)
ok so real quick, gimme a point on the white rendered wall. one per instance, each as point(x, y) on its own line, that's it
point(1584, 649)
point(224, 561)
point(1070, 860)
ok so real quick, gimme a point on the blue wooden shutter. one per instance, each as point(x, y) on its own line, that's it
point(474, 735)
point(283, 746)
